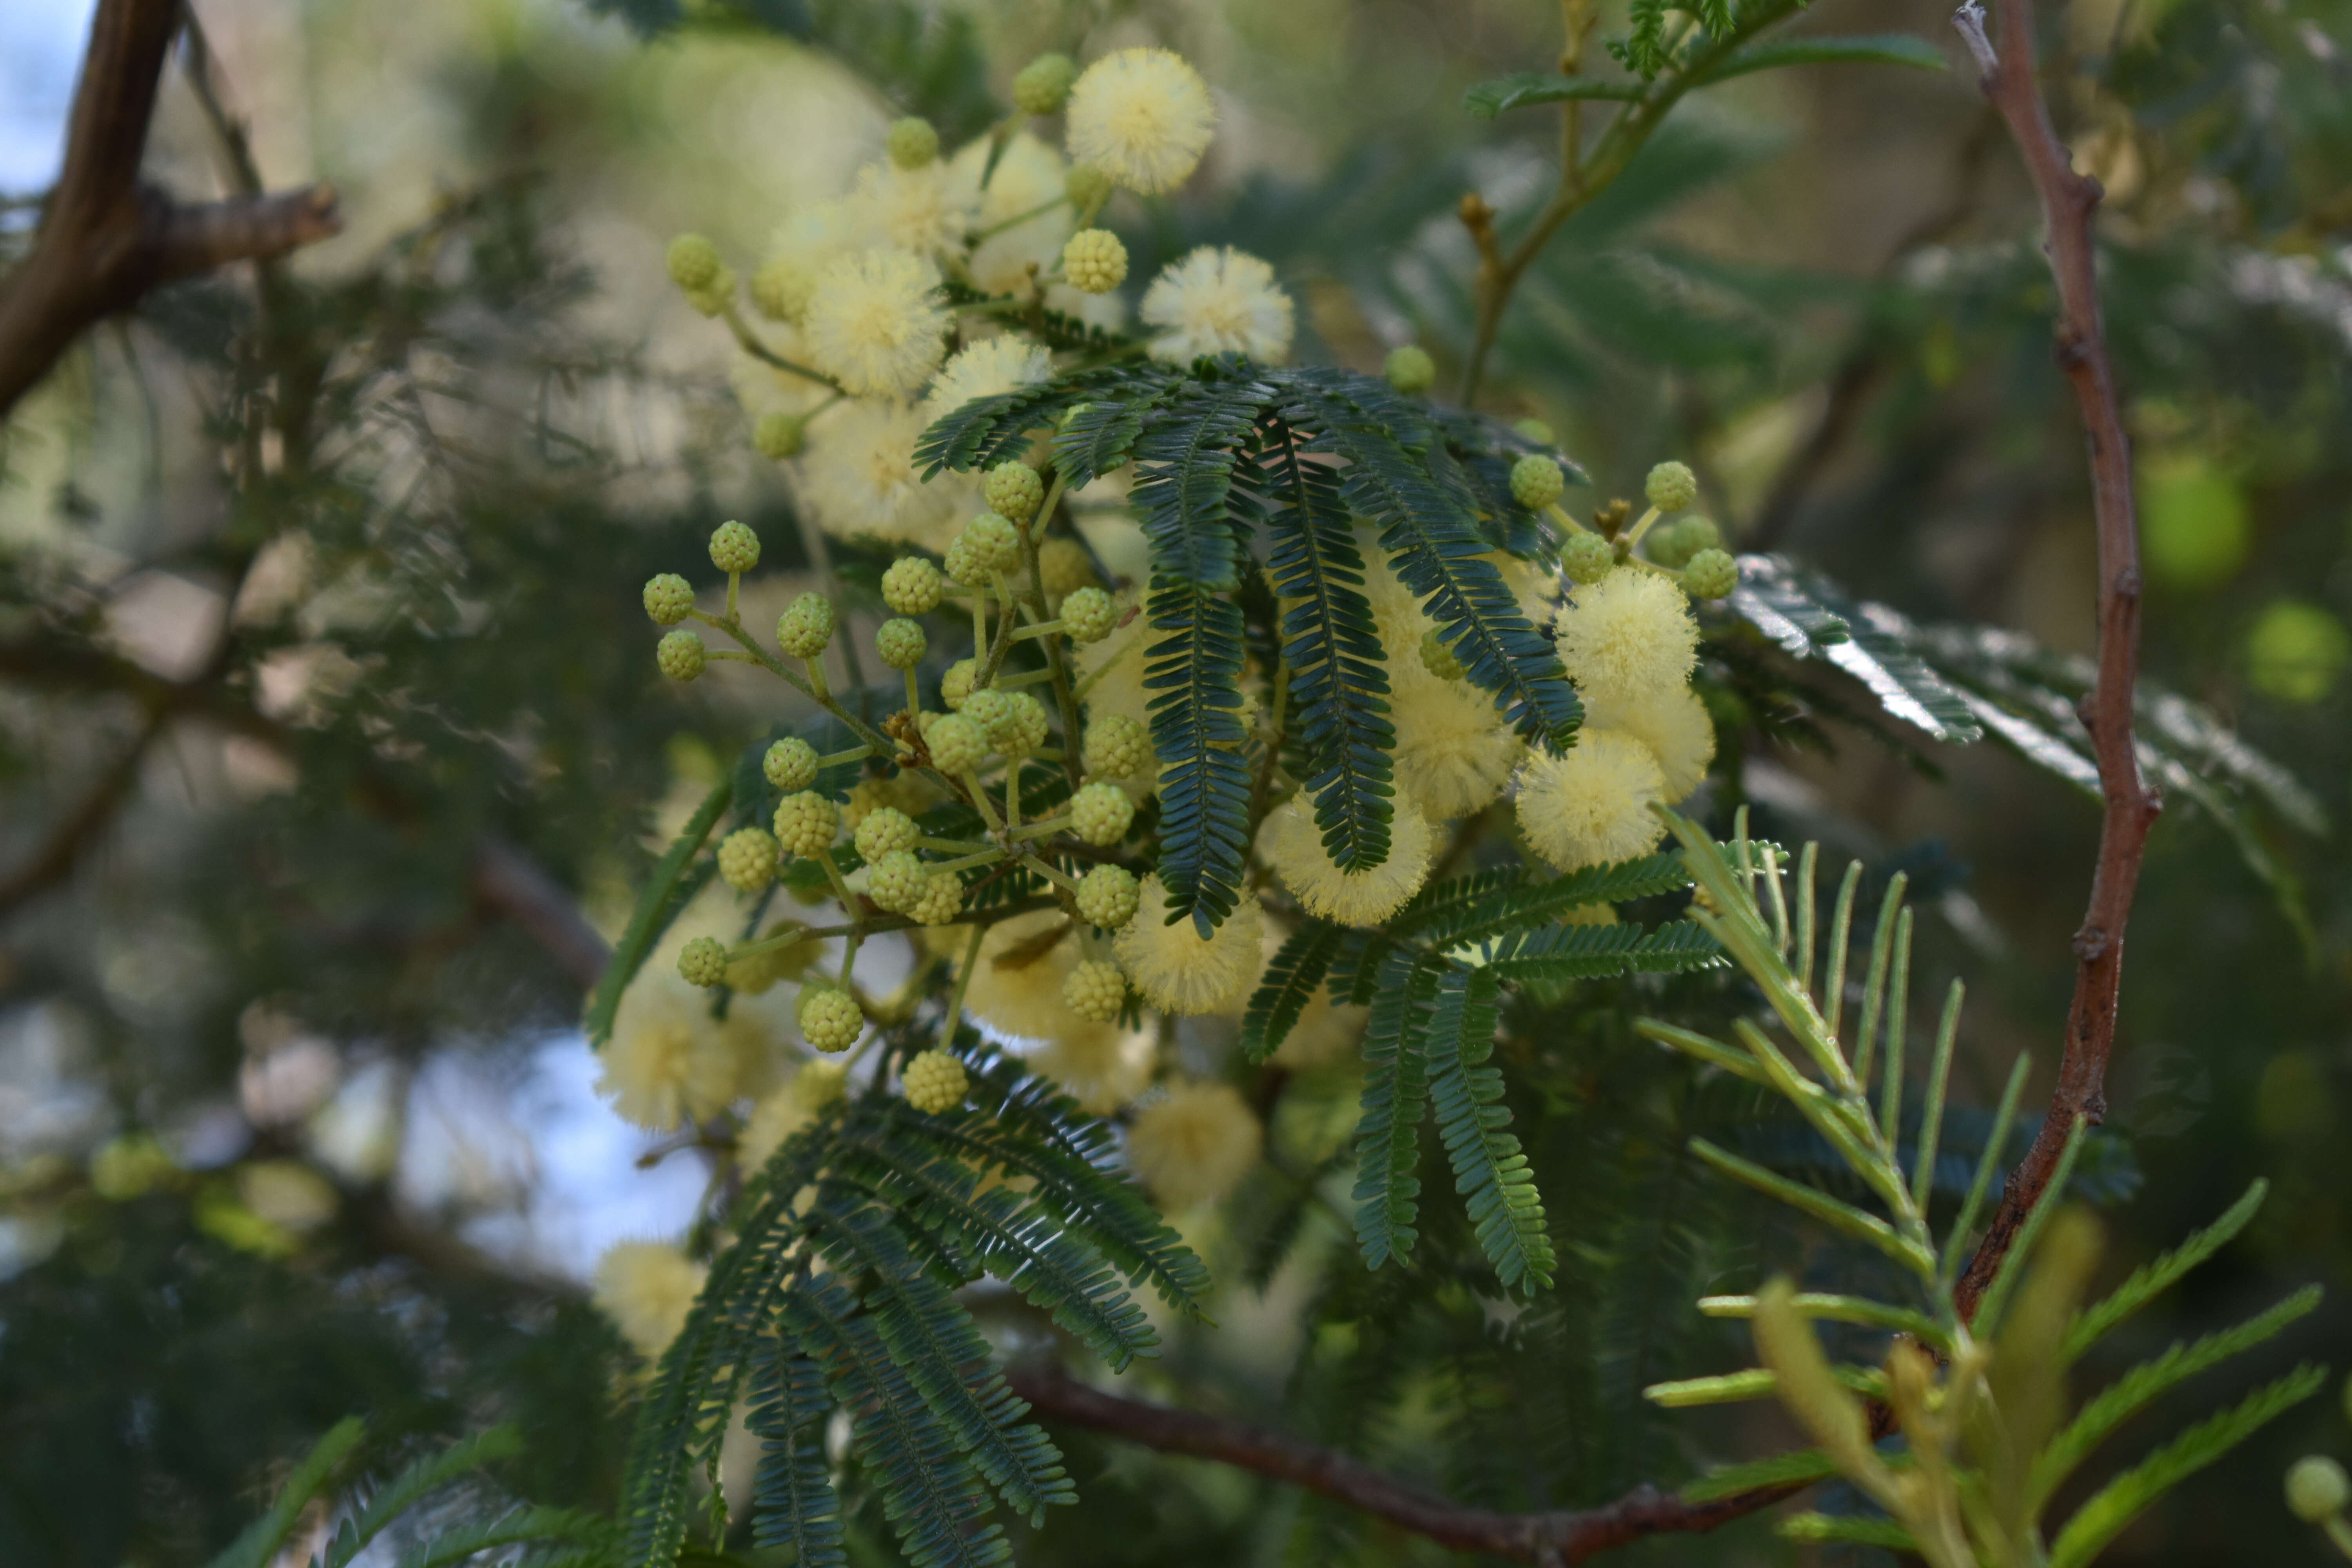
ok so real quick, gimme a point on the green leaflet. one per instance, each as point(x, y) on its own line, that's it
point(1195, 675)
point(259, 1542)
point(670, 888)
point(1556, 953)
point(1809, 617)
point(796, 1503)
point(1522, 89)
point(1292, 977)
point(1396, 1093)
point(1184, 492)
point(2152, 1280)
point(519, 1527)
point(2123, 1499)
point(1489, 1171)
point(404, 1491)
point(1781, 1470)
point(1491, 903)
point(1337, 687)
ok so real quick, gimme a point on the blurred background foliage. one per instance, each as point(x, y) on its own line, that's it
point(318, 609)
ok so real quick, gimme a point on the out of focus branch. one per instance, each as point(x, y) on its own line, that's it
point(2068, 201)
point(1556, 1536)
point(106, 238)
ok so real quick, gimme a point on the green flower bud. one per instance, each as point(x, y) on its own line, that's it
point(912, 586)
point(934, 1082)
point(747, 860)
point(1438, 660)
point(734, 548)
point(778, 436)
point(1094, 261)
point(2316, 1490)
point(806, 626)
point(897, 882)
point(790, 764)
point(805, 822)
point(1044, 84)
point(955, 686)
point(1410, 369)
point(694, 264)
point(1671, 487)
point(710, 301)
point(1014, 490)
point(1107, 896)
point(1088, 615)
point(781, 290)
point(1537, 481)
point(1587, 558)
point(958, 745)
point(1100, 813)
point(1711, 575)
point(1117, 747)
point(702, 962)
point(667, 598)
point(829, 1019)
point(885, 831)
point(901, 644)
point(1672, 544)
point(680, 655)
point(1095, 991)
point(912, 142)
point(996, 539)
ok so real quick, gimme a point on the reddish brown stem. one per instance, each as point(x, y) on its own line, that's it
point(2069, 200)
point(1566, 1535)
point(106, 238)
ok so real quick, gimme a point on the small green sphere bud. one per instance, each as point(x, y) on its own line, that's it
point(777, 436)
point(1088, 187)
point(1711, 575)
point(1537, 481)
point(806, 626)
point(694, 263)
point(790, 764)
point(1088, 615)
point(1100, 814)
point(829, 1019)
point(943, 899)
point(912, 142)
point(996, 539)
point(1095, 991)
point(781, 290)
point(1094, 261)
point(667, 598)
point(901, 644)
point(1535, 430)
point(819, 1085)
point(992, 709)
point(935, 1082)
point(1065, 567)
point(1044, 84)
point(966, 564)
point(805, 822)
point(1117, 747)
point(884, 831)
point(1013, 490)
point(1587, 558)
point(1672, 544)
point(1438, 660)
point(955, 686)
point(702, 962)
point(1410, 369)
point(1107, 896)
point(897, 882)
point(1022, 730)
point(747, 860)
point(2316, 1489)
point(958, 745)
point(680, 655)
point(734, 548)
point(1671, 487)
point(913, 586)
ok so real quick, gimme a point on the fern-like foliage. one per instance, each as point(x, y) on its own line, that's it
point(902, 1209)
point(1991, 1445)
point(1239, 466)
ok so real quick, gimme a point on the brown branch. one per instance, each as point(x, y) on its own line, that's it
point(83, 826)
point(518, 887)
point(1567, 1535)
point(105, 238)
point(2068, 201)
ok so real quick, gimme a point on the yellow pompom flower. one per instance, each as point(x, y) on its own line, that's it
point(1173, 968)
point(1675, 726)
point(859, 477)
point(798, 250)
point(1454, 752)
point(923, 209)
point(647, 1289)
point(874, 325)
point(1591, 805)
point(1194, 1146)
point(1016, 986)
point(1327, 1033)
point(1215, 301)
point(983, 370)
point(1627, 637)
point(1292, 845)
point(666, 1060)
point(1143, 117)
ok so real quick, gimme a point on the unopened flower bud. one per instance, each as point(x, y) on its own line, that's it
point(1044, 84)
point(912, 142)
point(1537, 481)
point(1671, 487)
point(1410, 369)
